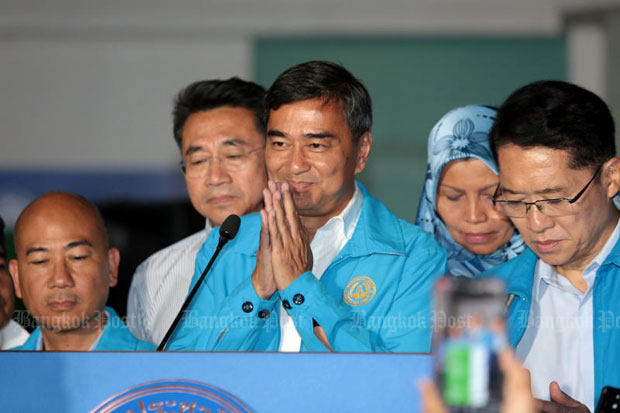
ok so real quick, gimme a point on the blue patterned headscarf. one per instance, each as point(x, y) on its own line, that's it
point(462, 133)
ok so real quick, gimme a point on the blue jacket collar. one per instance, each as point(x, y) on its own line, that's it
point(614, 256)
point(33, 340)
point(31, 343)
point(517, 274)
point(377, 231)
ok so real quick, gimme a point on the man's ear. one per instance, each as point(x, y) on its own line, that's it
point(114, 259)
point(610, 172)
point(363, 151)
point(14, 271)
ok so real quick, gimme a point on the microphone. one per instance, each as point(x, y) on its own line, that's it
point(228, 230)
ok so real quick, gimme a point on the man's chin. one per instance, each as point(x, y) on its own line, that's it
point(304, 203)
point(217, 215)
point(554, 259)
point(66, 322)
point(61, 325)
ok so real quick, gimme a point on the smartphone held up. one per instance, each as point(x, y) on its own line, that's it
point(469, 332)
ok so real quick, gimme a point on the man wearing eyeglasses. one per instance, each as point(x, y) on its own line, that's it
point(219, 128)
point(558, 172)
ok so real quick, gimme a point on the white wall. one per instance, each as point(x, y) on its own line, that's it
point(89, 84)
point(101, 103)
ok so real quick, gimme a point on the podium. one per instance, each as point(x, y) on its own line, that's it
point(176, 382)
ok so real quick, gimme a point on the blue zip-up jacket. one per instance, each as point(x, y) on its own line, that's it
point(385, 272)
point(518, 274)
point(115, 337)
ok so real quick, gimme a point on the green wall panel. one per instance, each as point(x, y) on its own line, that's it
point(413, 81)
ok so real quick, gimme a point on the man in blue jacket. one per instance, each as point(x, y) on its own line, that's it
point(554, 143)
point(325, 266)
point(63, 272)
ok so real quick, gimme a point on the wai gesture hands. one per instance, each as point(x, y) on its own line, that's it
point(284, 249)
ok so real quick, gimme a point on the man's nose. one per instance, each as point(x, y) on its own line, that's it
point(298, 162)
point(61, 276)
point(536, 220)
point(216, 173)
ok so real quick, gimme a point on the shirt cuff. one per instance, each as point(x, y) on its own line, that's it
point(247, 304)
point(305, 300)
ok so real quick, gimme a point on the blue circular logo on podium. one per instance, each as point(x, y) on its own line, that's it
point(173, 396)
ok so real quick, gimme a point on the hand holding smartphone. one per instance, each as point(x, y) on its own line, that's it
point(469, 333)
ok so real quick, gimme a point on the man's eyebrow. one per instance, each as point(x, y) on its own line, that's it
point(79, 243)
point(552, 190)
point(233, 142)
point(275, 133)
point(193, 149)
point(319, 135)
point(36, 249)
point(311, 135)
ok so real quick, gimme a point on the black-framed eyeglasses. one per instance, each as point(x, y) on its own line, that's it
point(554, 207)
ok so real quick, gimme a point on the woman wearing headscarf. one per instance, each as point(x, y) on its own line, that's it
point(456, 203)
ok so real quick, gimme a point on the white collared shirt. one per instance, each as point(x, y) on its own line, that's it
point(558, 342)
point(160, 285)
point(12, 335)
point(325, 246)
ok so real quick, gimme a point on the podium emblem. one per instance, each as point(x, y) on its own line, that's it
point(172, 396)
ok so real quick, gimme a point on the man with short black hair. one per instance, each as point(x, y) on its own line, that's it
point(325, 266)
point(63, 271)
point(11, 333)
point(219, 128)
point(555, 147)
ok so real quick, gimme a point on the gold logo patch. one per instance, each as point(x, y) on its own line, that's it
point(359, 291)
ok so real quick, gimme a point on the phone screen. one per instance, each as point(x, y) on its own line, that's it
point(469, 331)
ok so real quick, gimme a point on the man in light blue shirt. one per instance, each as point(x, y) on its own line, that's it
point(325, 266)
point(220, 131)
point(559, 174)
point(63, 272)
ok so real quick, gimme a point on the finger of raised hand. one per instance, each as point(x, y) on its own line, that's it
point(274, 234)
point(272, 186)
point(513, 371)
point(262, 276)
point(264, 241)
point(281, 221)
point(517, 397)
point(290, 211)
point(268, 200)
point(431, 400)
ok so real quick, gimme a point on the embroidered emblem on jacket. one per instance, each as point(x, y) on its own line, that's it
point(359, 291)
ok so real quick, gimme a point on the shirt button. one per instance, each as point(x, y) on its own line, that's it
point(286, 304)
point(298, 299)
point(247, 307)
point(263, 314)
